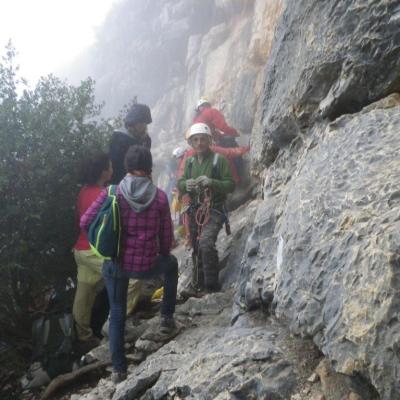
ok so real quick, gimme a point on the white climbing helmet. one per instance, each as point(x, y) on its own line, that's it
point(199, 129)
point(179, 152)
point(202, 100)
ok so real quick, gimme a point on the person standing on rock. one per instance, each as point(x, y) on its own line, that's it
point(207, 179)
point(222, 134)
point(96, 171)
point(145, 245)
point(136, 121)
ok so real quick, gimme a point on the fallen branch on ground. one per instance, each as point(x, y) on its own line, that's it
point(62, 380)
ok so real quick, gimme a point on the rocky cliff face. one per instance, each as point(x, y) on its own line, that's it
point(169, 53)
point(326, 244)
point(315, 84)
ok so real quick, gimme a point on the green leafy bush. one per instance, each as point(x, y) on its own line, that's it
point(44, 134)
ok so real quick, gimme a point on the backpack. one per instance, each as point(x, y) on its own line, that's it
point(54, 337)
point(105, 231)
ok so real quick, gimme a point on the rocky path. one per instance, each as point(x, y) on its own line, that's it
point(210, 359)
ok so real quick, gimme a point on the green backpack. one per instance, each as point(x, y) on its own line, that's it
point(105, 231)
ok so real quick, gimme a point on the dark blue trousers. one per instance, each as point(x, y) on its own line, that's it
point(116, 281)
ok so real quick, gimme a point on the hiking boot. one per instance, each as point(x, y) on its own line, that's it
point(167, 324)
point(118, 377)
point(213, 288)
point(192, 291)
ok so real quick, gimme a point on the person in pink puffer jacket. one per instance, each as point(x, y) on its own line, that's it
point(146, 240)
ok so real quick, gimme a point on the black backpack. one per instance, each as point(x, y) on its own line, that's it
point(53, 343)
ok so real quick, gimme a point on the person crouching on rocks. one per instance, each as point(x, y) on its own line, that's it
point(145, 245)
point(207, 179)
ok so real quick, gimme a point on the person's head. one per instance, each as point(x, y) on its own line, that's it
point(202, 103)
point(200, 138)
point(138, 160)
point(137, 119)
point(96, 169)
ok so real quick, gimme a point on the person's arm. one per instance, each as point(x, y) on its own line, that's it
point(218, 120)
point(89, 216)
point(225, 184)
point(166, 231)
point(231, 152)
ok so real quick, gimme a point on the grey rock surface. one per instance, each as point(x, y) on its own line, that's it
point(328, 59)
point(338, 281)
point(210, 358)
point(326, 242)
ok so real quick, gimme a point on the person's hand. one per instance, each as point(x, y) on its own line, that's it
point(203, 181)
point(190, 185)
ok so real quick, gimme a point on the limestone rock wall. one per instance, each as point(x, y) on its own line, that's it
point(324, 251)
point(328, 58)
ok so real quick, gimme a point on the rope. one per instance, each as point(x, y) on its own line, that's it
point(202, 217)
point(203, 213)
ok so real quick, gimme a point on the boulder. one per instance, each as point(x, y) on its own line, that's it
point(327, 59)
point(326, 243)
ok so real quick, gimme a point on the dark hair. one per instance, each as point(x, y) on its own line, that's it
point(92, 167)
point(139, 113)
point(139, 158)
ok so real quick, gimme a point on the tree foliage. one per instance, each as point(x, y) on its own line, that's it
point(45, 132)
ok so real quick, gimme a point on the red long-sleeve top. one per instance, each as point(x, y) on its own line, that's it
point(215, 120)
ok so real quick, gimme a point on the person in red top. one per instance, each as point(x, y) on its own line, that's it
point(96, 171)
point(210, 116)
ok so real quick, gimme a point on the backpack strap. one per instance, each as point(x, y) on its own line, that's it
point(214, 172)
point(66, 325)
point(190, 166)
point(46, 330)
point(112, 190)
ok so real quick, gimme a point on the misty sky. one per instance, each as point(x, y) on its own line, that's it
point(49, 33)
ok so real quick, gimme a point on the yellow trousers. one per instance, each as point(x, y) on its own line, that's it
point(90, 281)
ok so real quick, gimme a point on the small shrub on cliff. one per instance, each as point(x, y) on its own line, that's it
point(44, 133)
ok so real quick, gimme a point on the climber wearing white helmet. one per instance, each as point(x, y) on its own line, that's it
point(206, 114)
point(223, 134)
point(207, 179)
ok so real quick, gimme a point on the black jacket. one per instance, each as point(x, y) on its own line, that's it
point(119, 145)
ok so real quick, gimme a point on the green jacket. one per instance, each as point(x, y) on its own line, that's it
point(222, 182)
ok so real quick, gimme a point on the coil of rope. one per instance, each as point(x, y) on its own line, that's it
point(203, 213)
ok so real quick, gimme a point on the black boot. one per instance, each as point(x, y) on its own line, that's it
point(192, 291)
point(214, 288)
